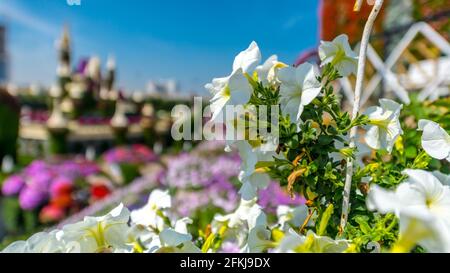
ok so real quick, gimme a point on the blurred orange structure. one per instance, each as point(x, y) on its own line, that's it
point(338, 17)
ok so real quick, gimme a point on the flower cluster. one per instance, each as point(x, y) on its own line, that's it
point(134, 154)
point(200, 181)
point(310, 157)
point(52, 187)
point(207, 177)
point(153, 229)
point(374, 179)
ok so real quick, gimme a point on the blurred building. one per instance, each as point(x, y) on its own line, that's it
point(394, 20)
point(167, 87)
point(3, 55)
point(409, 46)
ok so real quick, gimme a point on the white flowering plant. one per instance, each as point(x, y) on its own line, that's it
point(374, 181)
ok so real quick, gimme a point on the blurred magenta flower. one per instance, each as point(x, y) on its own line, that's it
point(30, 199)
point(202, 181)
point(134, 154)
point(42, 182)
point(13, 185)
point(274, 195)
point(60, 186)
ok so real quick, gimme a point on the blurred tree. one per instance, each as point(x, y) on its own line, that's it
point(9, 124)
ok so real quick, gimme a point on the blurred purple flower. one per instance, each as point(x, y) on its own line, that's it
point(202, 181)
point(30, 198)
point(13, 185)
point(135, 154)
point(229, 247)
point(41, 179)
point(274, 195)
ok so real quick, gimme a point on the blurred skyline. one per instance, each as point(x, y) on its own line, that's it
point(190, 41)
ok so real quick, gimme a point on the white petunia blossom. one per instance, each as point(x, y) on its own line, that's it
point(99, 234)
point(239, 217)
point(299, 87)
point(293, 242)
point(247, 225)
point(340, 55)
point(258, 234)
point(292, 217)
point(172, 239)
point(234, 89)
point(435, 140)
point(248, 59)
point(252, 180)
point(41, 242)
point(384, 126)
point(422, 204)
point(268, 72)
point(237, 91)
point(148, 215)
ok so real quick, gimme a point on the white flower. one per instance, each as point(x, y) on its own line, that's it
point(299, 87)
point(261, 134)
point(239, 216)
point(41, 242)
point(292, 217)
point(384, 128)
point(268, 72)
point(423, 205)
point(234, 89)
point(435, 140)
point(293, 242)
point(217, 85)
point(168, 237)
point(339, 54)
point(258, 239)
point(148, 215)
point(443, 178)
point(247, 225)
point(248, 59)
point(252, 179)
point(237, 91)
point(258, 233)
point(290, 242)
point(97, 234)
point(179, 235)
point(172, 240)
point(252, 183)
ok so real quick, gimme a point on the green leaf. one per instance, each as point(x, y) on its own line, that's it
point(324, 220)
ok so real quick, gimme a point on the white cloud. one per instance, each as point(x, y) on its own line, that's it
point(22, 17)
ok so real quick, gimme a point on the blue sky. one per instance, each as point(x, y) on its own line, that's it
point(188, 40)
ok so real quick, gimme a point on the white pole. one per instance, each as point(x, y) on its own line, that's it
point(358, 89)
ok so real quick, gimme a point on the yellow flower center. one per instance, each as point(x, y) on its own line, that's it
point(382, 123)
point(226, 92)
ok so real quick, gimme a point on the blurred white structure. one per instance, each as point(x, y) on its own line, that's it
point(430, 76)
point(163, 87)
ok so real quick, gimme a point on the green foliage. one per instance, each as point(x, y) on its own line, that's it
point(314, 167)
point(16, 220)
point(9, 129)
